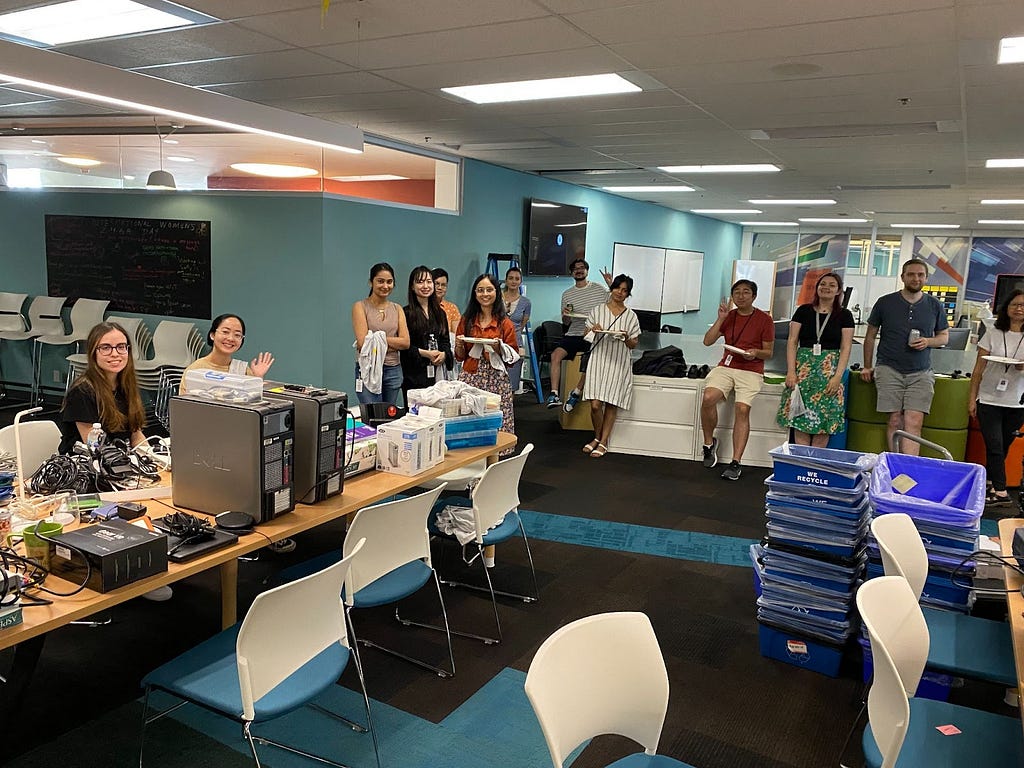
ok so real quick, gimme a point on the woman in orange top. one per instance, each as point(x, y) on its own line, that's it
point(485, 318)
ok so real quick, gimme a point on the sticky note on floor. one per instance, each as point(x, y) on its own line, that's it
point(903, 483)
point(947, 730)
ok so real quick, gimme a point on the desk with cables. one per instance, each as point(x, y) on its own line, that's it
point(1015, 602)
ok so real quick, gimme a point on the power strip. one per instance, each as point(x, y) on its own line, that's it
point(138, 494)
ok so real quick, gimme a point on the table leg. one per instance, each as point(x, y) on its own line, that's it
point(228, 593)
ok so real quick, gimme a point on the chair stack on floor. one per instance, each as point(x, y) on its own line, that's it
point(818, 513)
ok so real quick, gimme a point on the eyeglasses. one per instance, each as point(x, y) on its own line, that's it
point(1017, 306)
point(109, 349)
point(228, 334)
point(485, 290)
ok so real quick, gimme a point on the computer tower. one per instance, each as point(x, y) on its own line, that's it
point(236, 457)
point(320, 417)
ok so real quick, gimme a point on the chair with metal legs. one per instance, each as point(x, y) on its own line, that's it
point(291, 647)
point(11, 320)
point(45, 318)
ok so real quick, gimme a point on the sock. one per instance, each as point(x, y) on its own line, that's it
point(576, 391)
point(708, 445)
point(488, 561)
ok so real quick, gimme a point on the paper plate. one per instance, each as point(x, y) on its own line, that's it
point(735, 350)
point(999, 359)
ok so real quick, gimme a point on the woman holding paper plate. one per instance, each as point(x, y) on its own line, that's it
point(820, 340)
point(609, 385)
point(997, 386)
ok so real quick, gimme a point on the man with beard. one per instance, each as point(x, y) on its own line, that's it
point(912, 322)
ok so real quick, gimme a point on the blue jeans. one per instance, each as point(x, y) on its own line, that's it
point(390, 390)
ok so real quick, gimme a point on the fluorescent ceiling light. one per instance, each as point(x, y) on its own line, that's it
point(792, 202)
point(925, 226)
point(742, 168)
point(652, 188)
point(750, 211)
point(38, 141)
point(1011, 50)
point(1001, 221)
point(275, 170)
point(1002, 202)
point(842, 220)
point(79, 162)
point(180, 159)
point(1007, 162)
point(769, 224)
point(77, 20)
point(552, 88)
point(371, 177)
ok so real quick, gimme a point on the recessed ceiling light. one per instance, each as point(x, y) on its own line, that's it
point(275, 170)
point(79, 162)
point(551, 88)
point(925, 226)
point(1001, 221)
point(837, 220)
point(1011, 50)
point(750, 211)
point(181, 159)
point(371, 177)
point(77, 20)
point(741, 168)
point(1002, 202)
point(773, 201)
point(652, 188)
point(1006, 162)
point(769, 224)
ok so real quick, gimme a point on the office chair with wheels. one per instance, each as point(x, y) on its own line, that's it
point(291, 647)
point(604, 674)
point(495, 505)
point(904, 731)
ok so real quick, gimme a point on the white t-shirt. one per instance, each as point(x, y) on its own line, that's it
point(1003, 344)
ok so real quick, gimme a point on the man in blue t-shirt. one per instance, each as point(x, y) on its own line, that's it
point(911, 322)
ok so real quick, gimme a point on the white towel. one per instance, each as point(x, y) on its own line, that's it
point(371, 360)
point(498, 357)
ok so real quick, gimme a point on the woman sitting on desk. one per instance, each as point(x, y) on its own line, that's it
point(107, 393)
point(226, 336)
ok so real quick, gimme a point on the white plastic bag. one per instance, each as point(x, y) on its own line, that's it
point(796, 404)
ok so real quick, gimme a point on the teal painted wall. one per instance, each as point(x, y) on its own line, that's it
point(293, 265)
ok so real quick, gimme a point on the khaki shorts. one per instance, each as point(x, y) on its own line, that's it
point(746, 383)
point(903, 391)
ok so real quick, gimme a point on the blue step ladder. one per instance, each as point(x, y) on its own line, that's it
point(493, 270)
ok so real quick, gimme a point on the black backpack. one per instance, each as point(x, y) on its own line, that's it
point(667, 361)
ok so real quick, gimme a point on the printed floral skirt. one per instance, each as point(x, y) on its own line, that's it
point(825, 413)
point(490, 380)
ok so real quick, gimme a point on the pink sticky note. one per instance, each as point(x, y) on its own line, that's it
point(947, 730)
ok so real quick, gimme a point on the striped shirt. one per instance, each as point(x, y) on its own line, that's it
point(583, 300)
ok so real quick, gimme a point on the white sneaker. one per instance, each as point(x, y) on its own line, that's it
point(488, 562)
point(160, 594)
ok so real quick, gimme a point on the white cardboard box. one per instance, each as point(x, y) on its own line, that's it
point(404, 446)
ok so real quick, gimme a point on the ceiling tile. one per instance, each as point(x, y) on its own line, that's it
point(315, 85)
point(257, 66)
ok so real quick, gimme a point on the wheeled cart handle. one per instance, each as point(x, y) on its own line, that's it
point(899, 434)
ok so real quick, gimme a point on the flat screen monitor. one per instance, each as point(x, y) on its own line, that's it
point(958, 338)
point(557, 236)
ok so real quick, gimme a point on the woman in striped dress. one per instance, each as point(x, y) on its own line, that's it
point(609, 384)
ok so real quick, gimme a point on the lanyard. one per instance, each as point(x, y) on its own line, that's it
point(819, 327)
point(737, 336)
point(1007, 367)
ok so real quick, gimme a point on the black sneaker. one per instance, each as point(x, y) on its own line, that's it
point(693, 372)
point(733, 471)
point(703, 372)
point(553, 400)
point(711, 453)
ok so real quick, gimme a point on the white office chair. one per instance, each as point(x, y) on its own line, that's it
point(39, 441)
point(458, 479)
point(11, 320)
point(173, 345)
point(291, 647)
point(45, 318)
point(85, 313)
point(604, 674)
point(904, 731)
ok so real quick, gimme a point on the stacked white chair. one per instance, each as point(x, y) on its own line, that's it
point(176, 345)
point(45, 319)
point(11, 320)
point(85, 313)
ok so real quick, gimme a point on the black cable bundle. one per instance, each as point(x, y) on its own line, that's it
point(111, 467)
point(188, 528)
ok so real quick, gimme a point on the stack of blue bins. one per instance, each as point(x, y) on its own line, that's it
point(814, 557)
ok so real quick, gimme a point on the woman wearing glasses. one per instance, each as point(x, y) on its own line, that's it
point(226, 336)
point(996, 392)
point(107, 393)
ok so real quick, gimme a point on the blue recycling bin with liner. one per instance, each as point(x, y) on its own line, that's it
point(812, 467)
point(949, 493)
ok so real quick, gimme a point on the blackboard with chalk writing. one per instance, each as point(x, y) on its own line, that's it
point(147, 266)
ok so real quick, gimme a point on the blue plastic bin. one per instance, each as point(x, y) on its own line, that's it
point(947, 492)
point(471, 431)
point(820, 467)
point(800, 651)
point(932, 685)
point(851, 496)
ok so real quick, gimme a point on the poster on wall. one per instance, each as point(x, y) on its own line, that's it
point(799, 264)
point(947, 257)
point(992, 256)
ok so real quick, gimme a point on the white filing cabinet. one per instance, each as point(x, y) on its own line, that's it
point(661, 420)
point(765, 432)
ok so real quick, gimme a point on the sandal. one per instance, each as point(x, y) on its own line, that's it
point(589, 447)
point(599, 451)
point(995, 500)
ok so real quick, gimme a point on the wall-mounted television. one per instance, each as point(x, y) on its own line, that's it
point(556, 236)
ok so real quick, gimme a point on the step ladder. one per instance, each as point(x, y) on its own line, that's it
point(493, 270)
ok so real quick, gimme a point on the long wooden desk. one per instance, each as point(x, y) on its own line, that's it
point(359, 492)
point(1015, 602)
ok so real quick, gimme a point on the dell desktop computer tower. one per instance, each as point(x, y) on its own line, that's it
point(229, 456)
point(320, 416)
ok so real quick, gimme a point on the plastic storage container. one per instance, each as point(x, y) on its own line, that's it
point(224, 387)
point(800, 651)
point(820, 467)
point(949, 493)
point(472, 431)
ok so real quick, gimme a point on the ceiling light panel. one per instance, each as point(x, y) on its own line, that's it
point(1001, 221)
point(743, 211)
point(837, 220)
point(743, 168)
point(809, 201)
point(654, 188)
point(275, 170)
point(1002, 202)
point(769, 224)
point(1011, 50)
point(925, 226)
point(551, 88)
point(1006, 162)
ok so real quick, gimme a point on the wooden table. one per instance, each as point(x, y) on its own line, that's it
point(1015, 602)
point(359, 492)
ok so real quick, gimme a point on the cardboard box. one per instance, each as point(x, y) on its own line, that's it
point(363, 457)
point(120, 553)
point(404, 446)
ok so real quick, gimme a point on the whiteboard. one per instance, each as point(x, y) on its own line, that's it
point(664, 280)
point(763, 274)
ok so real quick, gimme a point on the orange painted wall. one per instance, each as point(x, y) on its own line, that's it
point(409, 191)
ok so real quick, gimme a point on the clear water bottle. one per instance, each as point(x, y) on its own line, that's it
point(94, 440)
point(432, 346)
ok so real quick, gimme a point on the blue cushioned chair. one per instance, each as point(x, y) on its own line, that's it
point(961, 645)
point(902, 731)
point(393, 563)
point(291, 647)
point(495, 503)
point(602, 675)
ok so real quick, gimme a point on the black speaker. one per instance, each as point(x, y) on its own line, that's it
point(374, 414)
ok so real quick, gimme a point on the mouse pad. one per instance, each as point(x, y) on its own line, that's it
point(178, 552)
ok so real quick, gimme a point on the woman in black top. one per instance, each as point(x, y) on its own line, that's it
point(421, 365)
point(820, 340)
point(107, 393)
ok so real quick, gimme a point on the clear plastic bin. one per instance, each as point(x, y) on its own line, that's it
point(223, 387)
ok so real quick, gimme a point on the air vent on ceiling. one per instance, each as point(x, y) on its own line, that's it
point(856, 131)
point(890, 187)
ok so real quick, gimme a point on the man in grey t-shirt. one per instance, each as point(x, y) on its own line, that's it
point(911, 322)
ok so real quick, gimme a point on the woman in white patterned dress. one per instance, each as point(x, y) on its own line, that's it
point(609, 384)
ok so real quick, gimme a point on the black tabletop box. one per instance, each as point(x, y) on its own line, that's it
point(119, 552)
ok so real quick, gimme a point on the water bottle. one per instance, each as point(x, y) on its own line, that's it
point(432, 346)
point(94, 440)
